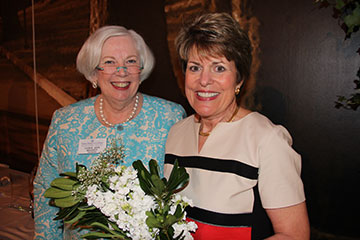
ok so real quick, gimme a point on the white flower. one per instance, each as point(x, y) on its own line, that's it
point(187, 227)
point(187, 200)
point(124, 203)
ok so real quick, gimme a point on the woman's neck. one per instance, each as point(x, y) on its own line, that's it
point(113, 112)
point(207, 124)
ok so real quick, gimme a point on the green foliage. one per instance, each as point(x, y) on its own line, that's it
point(162, 190)
point(68, 193)
point(352, 102)
point(348, 14)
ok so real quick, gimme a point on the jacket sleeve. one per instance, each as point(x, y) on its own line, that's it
point(45, 225)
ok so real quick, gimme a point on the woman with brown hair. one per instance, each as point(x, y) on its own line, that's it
point(244, 175)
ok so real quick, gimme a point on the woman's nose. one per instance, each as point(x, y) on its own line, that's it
point(122, 71)
point(205, 78)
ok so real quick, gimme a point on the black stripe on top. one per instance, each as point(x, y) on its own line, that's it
point(212, 164)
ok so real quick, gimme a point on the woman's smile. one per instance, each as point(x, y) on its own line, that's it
point(206, 95)
point(121, 85)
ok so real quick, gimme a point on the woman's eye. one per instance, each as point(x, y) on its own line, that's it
point(109, 62)
point(131, 61)
point(194, 68)
point(219, 69)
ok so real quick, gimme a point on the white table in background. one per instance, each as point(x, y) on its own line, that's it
point(16, 221)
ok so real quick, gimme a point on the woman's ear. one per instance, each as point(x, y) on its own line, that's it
point(238, 87)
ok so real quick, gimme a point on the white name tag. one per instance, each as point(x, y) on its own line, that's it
point(91, 146)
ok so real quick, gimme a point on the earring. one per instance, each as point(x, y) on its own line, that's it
point(94, 84)
point(237, 91)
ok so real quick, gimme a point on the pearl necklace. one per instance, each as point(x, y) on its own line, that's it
point(206, 134)
point(101, 111)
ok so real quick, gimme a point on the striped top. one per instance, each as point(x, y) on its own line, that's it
point(243, 167)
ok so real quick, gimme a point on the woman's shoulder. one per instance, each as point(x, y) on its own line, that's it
point(259, 120)
point(183, 124)
point(259, 124)
point(80, 107)
point(162, 105)
point(158, 101)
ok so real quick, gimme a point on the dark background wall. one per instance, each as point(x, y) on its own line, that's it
point(305, 64)
point(149, 21)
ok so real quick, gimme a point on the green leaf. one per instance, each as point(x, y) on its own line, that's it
point(63, 183)
point(143, 176)
point(87, 208)
point(54, 192)
point(154, 167)
point(179, 213)
point(170, 220)
point(158, 185)
point(145, 187)
point(116, 227)
point(66, 202)
point(73, 214)
point(115, 234)
point(145, 182)
point(101, 226)
point(339, 4)
point(76, 218)
point(139, 166)
point(96, 235)
point(178, 179)
point(91, 217)
point(153, 222)
point(353, 20)
point(66, 212)
point(150, 213)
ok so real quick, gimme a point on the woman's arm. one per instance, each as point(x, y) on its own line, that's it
point(45, 226)
point(290, 222)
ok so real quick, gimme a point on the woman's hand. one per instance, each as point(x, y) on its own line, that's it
point(290, 222)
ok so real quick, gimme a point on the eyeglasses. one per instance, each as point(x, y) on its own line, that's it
point(114, 69)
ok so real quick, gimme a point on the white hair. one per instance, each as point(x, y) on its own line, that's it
point(89, 55)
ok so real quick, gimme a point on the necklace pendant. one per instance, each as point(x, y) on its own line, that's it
point(204, 134)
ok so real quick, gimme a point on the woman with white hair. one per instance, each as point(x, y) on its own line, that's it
point(116, 60)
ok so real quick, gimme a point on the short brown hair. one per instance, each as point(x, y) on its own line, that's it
point(216, 34)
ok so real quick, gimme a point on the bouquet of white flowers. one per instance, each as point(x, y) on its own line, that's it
point(118, 202)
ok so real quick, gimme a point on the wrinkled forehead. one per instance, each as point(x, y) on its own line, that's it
point(123, 44)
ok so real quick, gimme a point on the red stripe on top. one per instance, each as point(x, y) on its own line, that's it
point(211, 232)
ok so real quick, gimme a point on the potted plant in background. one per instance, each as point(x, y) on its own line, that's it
point(347, 12)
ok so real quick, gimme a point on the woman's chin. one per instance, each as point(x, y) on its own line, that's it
point(204, 114)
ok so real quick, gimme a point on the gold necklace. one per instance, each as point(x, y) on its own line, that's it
point(206, 134)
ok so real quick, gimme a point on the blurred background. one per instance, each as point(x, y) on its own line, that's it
point(302, 63)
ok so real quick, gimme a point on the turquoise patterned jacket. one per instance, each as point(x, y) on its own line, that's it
point(144, 138)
